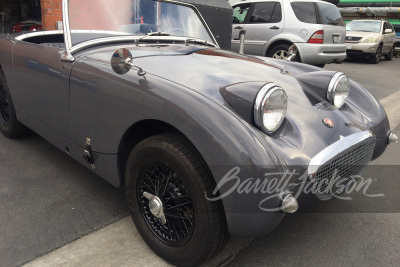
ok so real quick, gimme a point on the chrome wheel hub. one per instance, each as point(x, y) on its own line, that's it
point(156, 206)
point(162, 194)
point(281, 54)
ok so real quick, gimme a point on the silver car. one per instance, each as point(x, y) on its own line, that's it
point(371, 38)
point(272, 26)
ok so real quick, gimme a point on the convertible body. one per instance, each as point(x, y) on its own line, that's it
point(98, 113)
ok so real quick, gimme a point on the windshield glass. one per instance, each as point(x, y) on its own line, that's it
point(330, 14)
point(105, 18)
point(317, 13)
point(364, 26)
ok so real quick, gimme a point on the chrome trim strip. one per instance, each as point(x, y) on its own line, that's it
point(67, 33)
point(127, 38)
point(336, 148)
point(39, 33)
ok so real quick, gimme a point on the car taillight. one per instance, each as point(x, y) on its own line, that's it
point(317, 38)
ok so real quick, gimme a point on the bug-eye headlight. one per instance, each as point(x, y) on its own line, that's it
point(338, 89)
point(270, 108)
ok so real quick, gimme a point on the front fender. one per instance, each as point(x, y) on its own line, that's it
point(105, 105)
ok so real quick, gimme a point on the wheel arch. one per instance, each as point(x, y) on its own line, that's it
point(269, 47)
point(145, 129)
point(148, 128)
point(137, 133)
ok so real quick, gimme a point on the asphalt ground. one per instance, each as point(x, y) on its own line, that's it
point(55, 211)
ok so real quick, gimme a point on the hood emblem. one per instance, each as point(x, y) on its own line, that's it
point(328, 123)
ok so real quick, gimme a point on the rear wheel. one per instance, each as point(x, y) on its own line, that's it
point(281, 52)
point(389, 56)
point(166, 182)
point(377, 56)
point(9, 125)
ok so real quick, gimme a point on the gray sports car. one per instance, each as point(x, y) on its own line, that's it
point(207, 143)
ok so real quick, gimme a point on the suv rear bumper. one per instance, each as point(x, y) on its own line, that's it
point(316, 54)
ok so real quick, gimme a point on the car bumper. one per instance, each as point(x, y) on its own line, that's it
point(316, 54)
point(361, 48)
point(397, 47)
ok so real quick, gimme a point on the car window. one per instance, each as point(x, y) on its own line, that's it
point(266, 13)
point(364, 26)
point(239, 13)
point(388, 26)
point(329, 14)
point(384, 28)
point(305, 11)
point(397, 29)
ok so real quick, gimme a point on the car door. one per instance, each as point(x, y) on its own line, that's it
point(389, 38)
point(264, 22)
point(240, 17)
point(41, 86)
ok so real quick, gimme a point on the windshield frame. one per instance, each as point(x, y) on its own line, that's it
point(70, 48)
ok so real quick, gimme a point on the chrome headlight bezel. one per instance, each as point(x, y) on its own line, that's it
point(338, 90)
point(261, 104)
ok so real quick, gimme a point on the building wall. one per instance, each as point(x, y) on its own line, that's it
point(51, 13)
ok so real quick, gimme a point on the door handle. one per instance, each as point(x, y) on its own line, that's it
point(274, 28)
point(238, 28)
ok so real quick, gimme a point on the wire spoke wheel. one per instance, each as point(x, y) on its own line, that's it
point(166, 204)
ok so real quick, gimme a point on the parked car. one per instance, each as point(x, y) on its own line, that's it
point(184, 126)
point(397, 45)
point(272, 26)
point(26, 26)
point(370, 38)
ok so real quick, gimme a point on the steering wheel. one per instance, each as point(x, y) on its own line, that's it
point(236, 20)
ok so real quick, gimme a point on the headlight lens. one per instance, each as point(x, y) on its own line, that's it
point(270, 108)
point(338, 90)
point(370, 40)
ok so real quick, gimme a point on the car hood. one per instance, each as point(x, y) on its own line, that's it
point(362, 34)
point(208, 71)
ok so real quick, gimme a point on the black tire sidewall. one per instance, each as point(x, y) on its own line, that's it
point(190, 253)
point(390, 56)
point(9, 129)
point(375, 59)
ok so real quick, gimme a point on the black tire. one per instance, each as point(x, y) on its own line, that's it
point(320, 65)
point(281, 52)
point(390, 56)
point(170, 169)
point(9, 125)
point(375, 58)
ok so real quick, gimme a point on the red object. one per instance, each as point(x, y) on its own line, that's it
point(329, 123)
point(26, 26)
point(141, 20)
point(317, 38)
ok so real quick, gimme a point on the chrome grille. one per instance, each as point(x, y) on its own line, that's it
point(332, 178)
point(353, 39)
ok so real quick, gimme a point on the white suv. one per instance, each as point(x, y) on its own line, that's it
point(272, 26)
